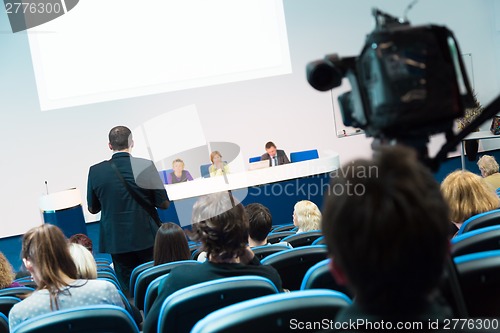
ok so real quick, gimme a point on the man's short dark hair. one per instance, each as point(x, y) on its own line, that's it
point(385, 224)
point(260, 221)
point(270, 144)
point(120, 138)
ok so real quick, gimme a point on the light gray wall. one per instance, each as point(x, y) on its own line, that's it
point(59, 146)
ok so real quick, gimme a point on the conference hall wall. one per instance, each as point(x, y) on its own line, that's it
point(43, 140)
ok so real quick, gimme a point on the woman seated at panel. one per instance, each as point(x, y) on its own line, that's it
point(170, 244)
point(218, 167)
point(489, 170)
point(178, 175)
point(46, 255)
point(306, 216)
point(467, 194)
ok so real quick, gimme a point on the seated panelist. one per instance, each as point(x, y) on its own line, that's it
point(218, 167)
point(275, 156)
point(179, 175)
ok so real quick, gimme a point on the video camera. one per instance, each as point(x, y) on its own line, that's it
point(407, 83)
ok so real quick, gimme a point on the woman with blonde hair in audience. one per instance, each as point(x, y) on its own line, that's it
point(489, 170)
point(86, 267)
point(306, 216)
point(467, 194)
point(45, 253)
point(7, 274)
point(170, 244)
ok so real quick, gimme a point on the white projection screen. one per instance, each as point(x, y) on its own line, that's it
point(114, 49)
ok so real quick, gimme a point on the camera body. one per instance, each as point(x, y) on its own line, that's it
point(407, 83)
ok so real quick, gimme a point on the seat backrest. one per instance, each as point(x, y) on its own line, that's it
point(107, 275)
point(482, 220)
point(275, 313)
point(181, 310)
point(95, 319)
point(303, 238)
point(320, 277)
point(4, 323)
point(263, 251)
point(293, 264)
point(276, 237)
point(484, 239)
point(7, 302)
point(204, 170)
point(319, 241)
point(304, 155)
point(135, 273)
point(479, 276)
point(254, 159)
point(148, 275)
point(152, 293)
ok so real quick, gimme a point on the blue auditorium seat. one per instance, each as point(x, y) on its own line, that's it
point(254, 159)
point(482, 220)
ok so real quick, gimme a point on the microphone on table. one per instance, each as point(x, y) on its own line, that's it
point(46, 187)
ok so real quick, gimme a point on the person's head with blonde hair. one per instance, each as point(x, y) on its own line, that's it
point(467, 195)
point(487, 165)
point(306, 216)
point(86, 266)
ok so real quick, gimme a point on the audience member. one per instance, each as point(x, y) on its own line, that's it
point(306, 216)
point(260, 223)
point(218, 167)
point(387, 234)
point(7, 274)
point(170, 244)
point(84, 240)
point(221, 225)
point(86, 268)
point(467, 194)
point(275, 156)
point(45, 253)
point(179, 175)
point(489, 170)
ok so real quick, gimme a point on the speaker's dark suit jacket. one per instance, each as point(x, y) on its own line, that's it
point(282, 158)
point(125, 226)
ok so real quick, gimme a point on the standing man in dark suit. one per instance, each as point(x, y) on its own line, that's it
point(275, 156)
point(126, 190)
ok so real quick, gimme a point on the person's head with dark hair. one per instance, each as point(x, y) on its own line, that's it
point(82, 239)
point(46, 255)
point(120, 138)
point(386, 227)
point(260, 223)
point(221, 225)
point(269, 145)
point(170, 244)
